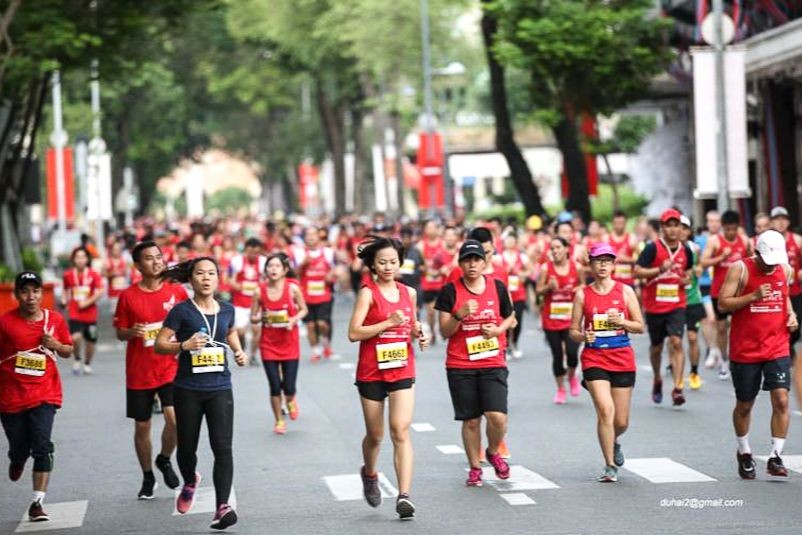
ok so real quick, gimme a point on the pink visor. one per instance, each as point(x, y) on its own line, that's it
point(601, 249)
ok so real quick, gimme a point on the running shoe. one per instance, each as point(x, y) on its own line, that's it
point(746, 465)
point(149, 485)
point(327, 352)
point(88, 369)
point(775, 467)
point(695, 381)
point(559, 397)
point(657, 391)
point(76, 368)
point(186, 499)
point(36, 513)
point(370, 488)
point(166, 468)
point(474, 478)
point(677, 397)
point(404, 507)
point(724, 372)
point(503, 450)
point(574, 385)
point(15, 470)
point(618, 454)
point(610, 475)
point(280, 428)
point(292, 406)
point(224, 517)
point(315, 358)
point(712, 358)
point(517, 354)
point(499, 465)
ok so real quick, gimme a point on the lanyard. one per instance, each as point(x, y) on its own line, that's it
point(83, 280)
point(212, 332)
point(40, 348)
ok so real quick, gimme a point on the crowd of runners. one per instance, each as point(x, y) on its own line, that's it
point(191, 299)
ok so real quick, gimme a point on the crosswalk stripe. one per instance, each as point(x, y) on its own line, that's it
point(205, 501)
point(349, 487)
point(347, 365)
point(517, 498)
point(521, 478)
point(423, 427)
point(664, 470)
point(791, 462)
point(451, 449)
point(64, 515)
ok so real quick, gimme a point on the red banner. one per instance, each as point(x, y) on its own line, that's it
point(430, 166)
point(588, 131)
point(308, 177)
point(52, 187)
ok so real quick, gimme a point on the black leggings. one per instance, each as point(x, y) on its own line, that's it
point(281, 375)
point(519, 307)
point(218, 407)
point(556, 339)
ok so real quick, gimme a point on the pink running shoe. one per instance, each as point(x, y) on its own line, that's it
point(575, 386)
point(559, 397)
point(499, 465)
point(474, 477)
point(186, 498)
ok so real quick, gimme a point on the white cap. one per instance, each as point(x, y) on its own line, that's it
point(683, 220)
point(771, 247)
point(778, 211)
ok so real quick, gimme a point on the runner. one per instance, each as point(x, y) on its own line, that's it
point(204, 332)
point(712, 228)
point(429, 247)
point(413, 265)
point(30, 386)
point(475, 314)
point(516, 265)
point(243, 279)
point(756, 294)
point(695, 310)
point(608, 360)
point(384, 322)
point(316, 267)
point(140, 312)
point(558, 282)
point(781, 222)
point(665, 266)
point(624, 244)
point(279, 306)
point(722, 251)
point(83, 287)
point(115, 271)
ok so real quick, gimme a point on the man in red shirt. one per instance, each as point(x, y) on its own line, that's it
point(30, 385)
point(140, 312)
point(755, 292)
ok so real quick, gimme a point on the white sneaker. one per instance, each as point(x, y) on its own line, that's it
point(713, 358)
point(76, 368)
point(87, 369)
point(517, 354)
point(724, 372)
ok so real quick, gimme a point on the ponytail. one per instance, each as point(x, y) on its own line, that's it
point(182, 272)
point(285, 261)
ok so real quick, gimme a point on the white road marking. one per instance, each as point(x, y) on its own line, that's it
point(347, 365)
point(451, 449)
point(798, 413)
point(205, 501)
point(336, 356)
point(63, 515)
point(517, 498)
point(664, 470)
point(646, 369)
point(423, 427)
point(521, 478)
point(791, 462)
point(349, 487)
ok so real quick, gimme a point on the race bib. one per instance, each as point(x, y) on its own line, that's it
point(393, 355)
point(561, 310)
point(316, 288)
point(408, 267)
point(27, 363)
point(249, 288)
point(277, 319)
point(151, 331)
point(119, 283)
point(667, 293)
point(208, 360)
point(623, 271)
point(480, 347)
point(514, 283)
point(81, 293)
point(602, 326)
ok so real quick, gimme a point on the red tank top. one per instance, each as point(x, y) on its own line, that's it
point(277, 342)
point(795, 261)
point(738, 253)
point(559, 304)
point(315, 287)
point(467, 348)
point(431, 282)
point(666, 292)
point(516, 283)
point(248, 278)
point(623, 271)
point(612, 350)
point(117, 279)
point(389, 356)
point(758, 332)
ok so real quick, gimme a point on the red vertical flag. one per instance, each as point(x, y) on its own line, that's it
point(430, 166)
point(52, 187)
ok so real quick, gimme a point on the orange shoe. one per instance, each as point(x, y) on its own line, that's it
point(280, 428)
point(503, 450)
point(292, 407)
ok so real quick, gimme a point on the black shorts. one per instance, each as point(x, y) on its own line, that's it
point(693, 315)
point(665, 325)
point(378, 390)
point(319, 312)
point(616, 379)
point(87, 330)
point(705, 290)
point(430, 296)
point(475, 392)
point(139, 403)
point(720, 316)
point(746, 378)
point(29, 433)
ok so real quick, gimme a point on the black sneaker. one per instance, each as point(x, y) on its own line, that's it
point(166, 468)
point(370, 488)
point(224, 517)
point(148, 486)
point(404, 507)
point(657, 391)
point(776, 468)
point(746, 466)
point(677, 397)
point(36, 513)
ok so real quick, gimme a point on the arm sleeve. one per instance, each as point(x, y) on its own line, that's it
point(173, 319)
point(447, 298)
point(647, 256)
point(504, 303)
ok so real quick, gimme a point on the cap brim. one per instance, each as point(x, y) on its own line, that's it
point(468, 255)
point(775, 259)
point(609, 255)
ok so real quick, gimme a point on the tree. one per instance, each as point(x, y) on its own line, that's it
point(583, 57)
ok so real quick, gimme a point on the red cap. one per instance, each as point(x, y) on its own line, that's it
point(669, 215)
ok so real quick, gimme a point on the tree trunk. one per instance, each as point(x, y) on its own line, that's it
point(333, 120)
point(5, 24)
point(360, 166)
point(505, 140)
point(567, 136)
point(398, 142)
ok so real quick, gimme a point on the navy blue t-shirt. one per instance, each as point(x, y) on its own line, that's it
point(185, 319)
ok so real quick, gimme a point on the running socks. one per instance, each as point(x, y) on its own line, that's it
point(777, 445)
point(38, 496)
point(743, 444)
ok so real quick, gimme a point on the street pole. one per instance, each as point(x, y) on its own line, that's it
point(427, 66)
point(721, 113)
point(59, 140)
point(99, 148)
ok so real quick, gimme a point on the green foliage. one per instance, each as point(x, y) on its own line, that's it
point(629, 133)
point(631, 203)
point(6, 274)
point(31, 260)
point(229, 200)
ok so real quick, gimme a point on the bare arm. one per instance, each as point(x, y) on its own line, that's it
point(163, 344)
point(300, 305)
point(635, 322)
point(357, 331)
point(232, 339)
point(576, 332)
point(256, 308)
point(728, 301)
point(541, 286)
point(708, 260)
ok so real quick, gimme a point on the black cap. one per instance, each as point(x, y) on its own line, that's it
point(471, 248)
point(27, 277)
